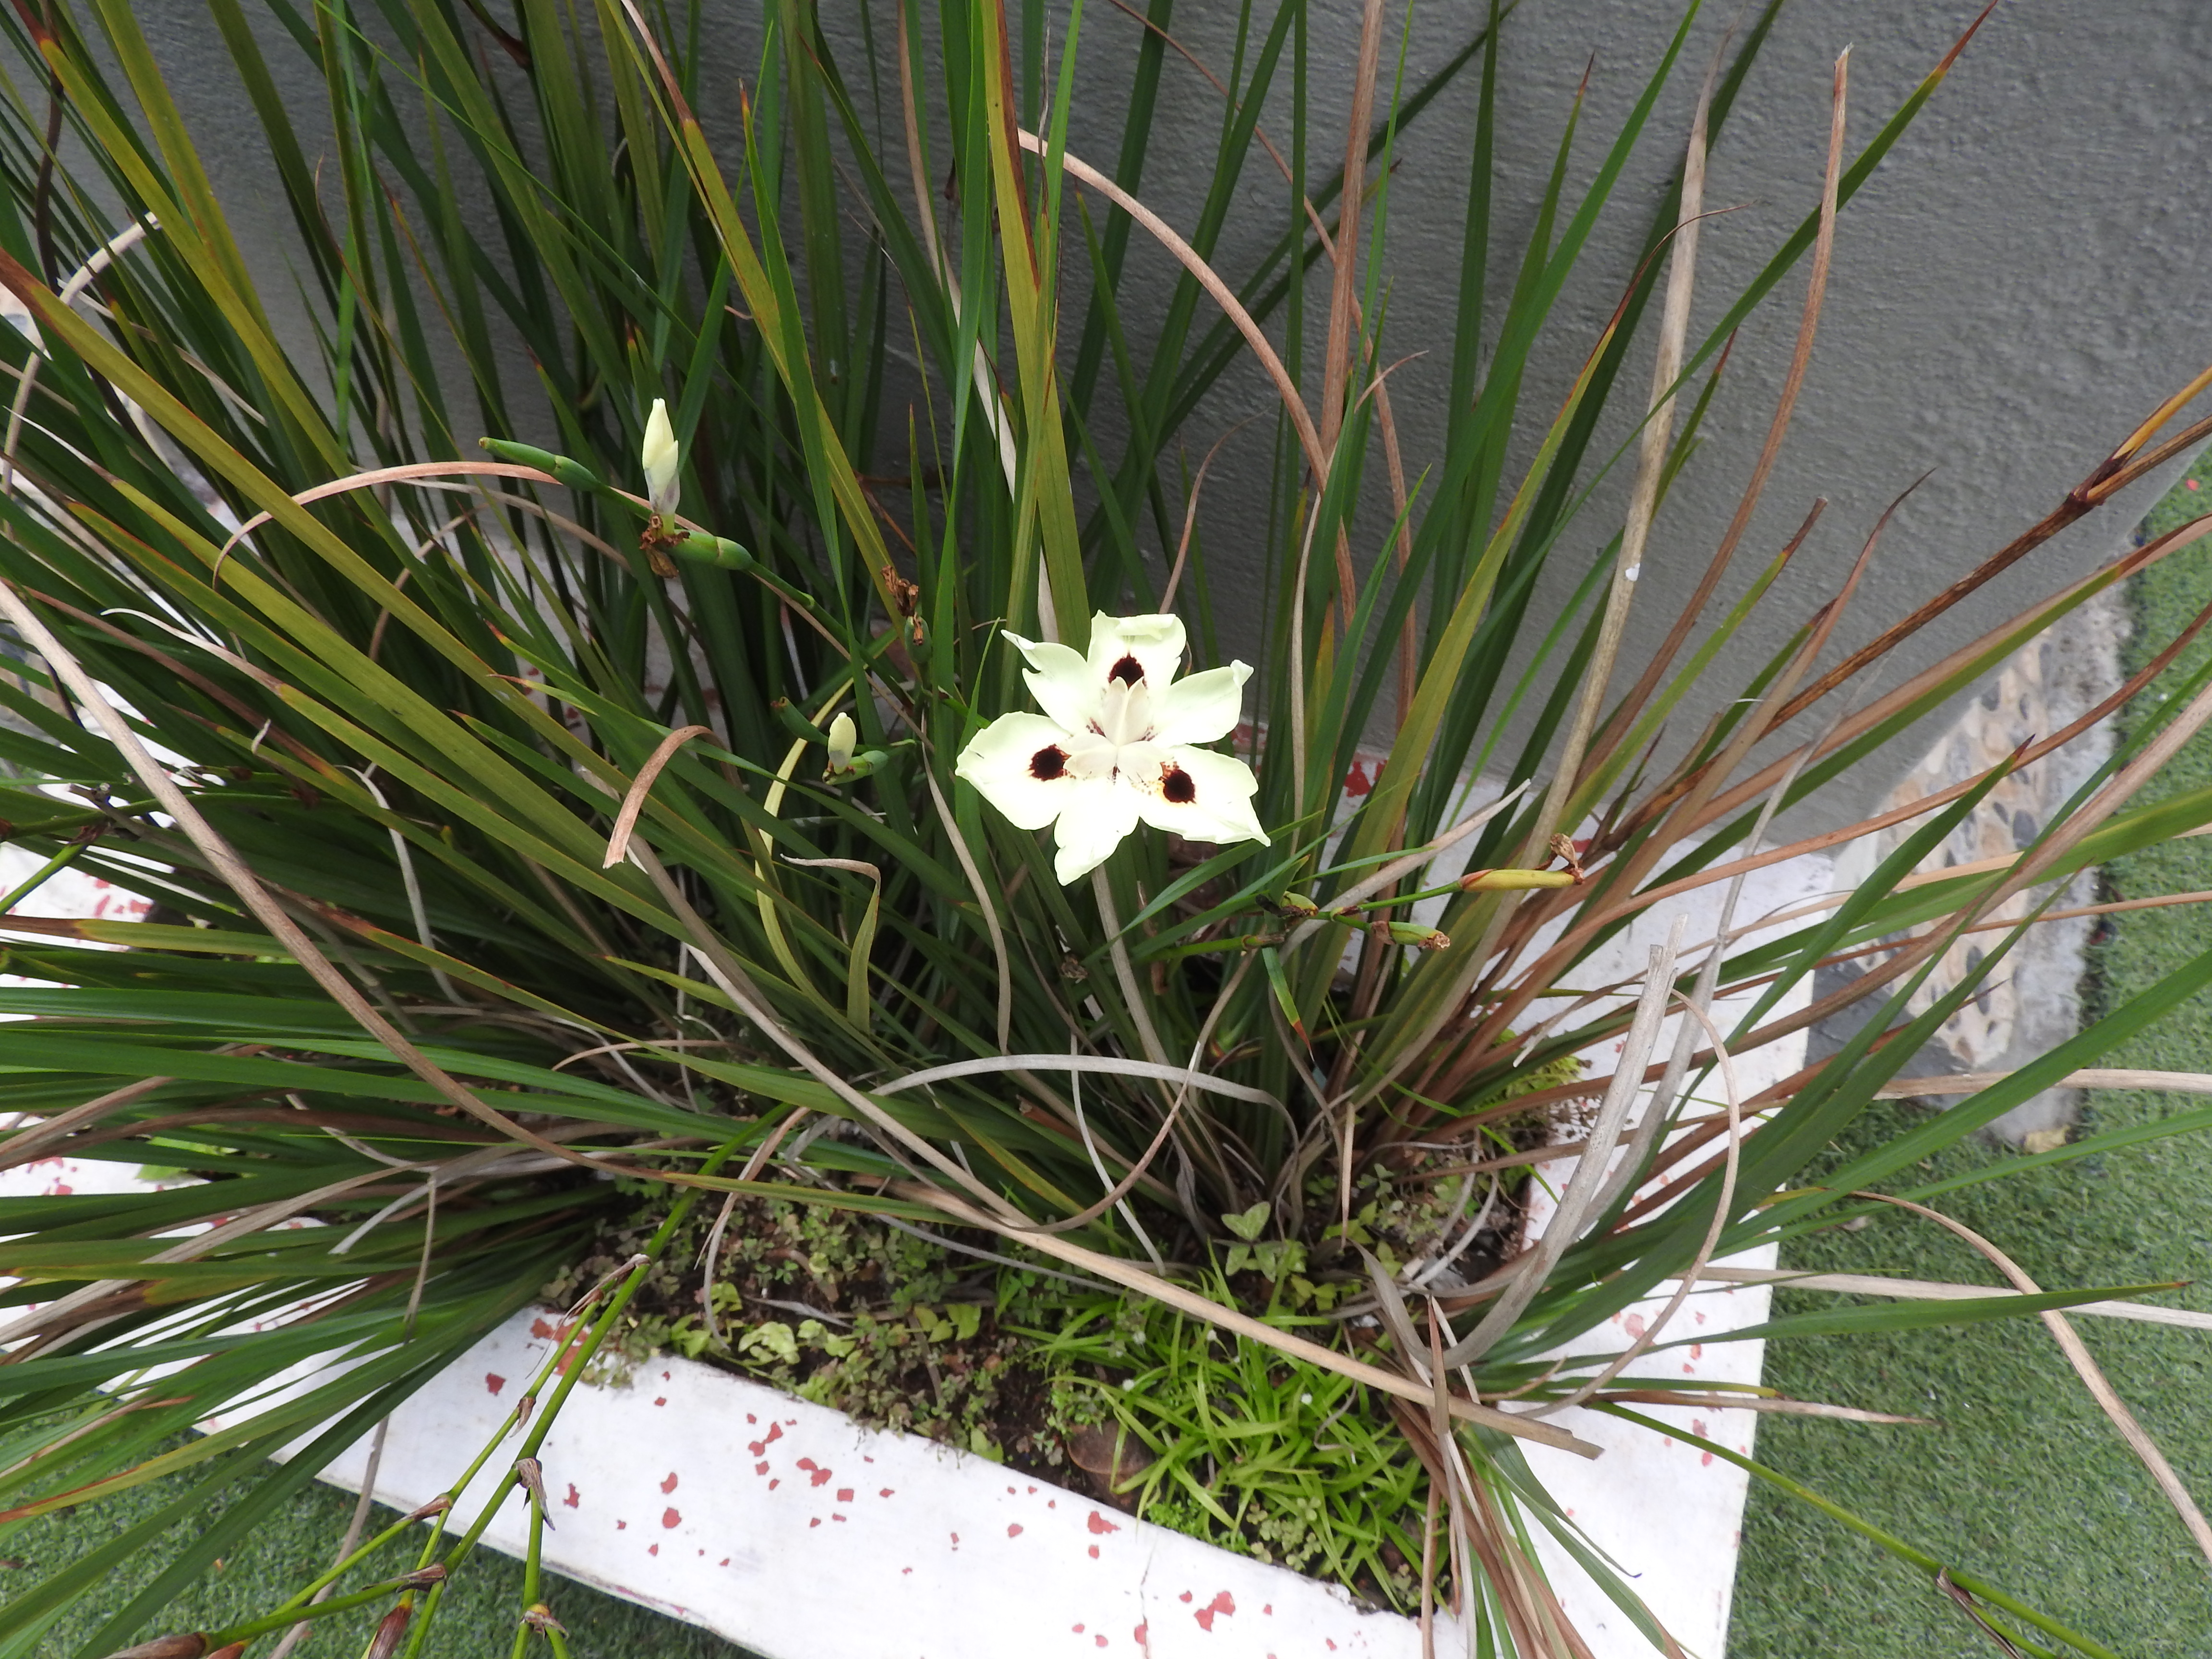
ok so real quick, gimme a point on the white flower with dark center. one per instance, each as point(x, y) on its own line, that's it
point(662, 461)
point(1114, 746)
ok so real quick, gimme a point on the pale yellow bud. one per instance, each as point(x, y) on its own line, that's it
point(662, 462)
point(841, 736)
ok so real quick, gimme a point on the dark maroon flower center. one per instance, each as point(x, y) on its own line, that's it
point(1177, 785)
point(1128, 671)
point(1048, 763)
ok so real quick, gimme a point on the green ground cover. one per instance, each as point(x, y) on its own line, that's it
point(477, 1621)
point(2024, 1480)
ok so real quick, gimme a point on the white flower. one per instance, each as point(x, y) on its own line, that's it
point(662, 463)
point(1113, 746)
point(841, 736)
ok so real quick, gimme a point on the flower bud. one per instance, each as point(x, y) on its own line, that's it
point(841, 738)
point(662, 462)
point(1420, 937)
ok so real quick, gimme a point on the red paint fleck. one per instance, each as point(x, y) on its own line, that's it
point(1099, 1640)
point(1014, 1531)
point(819, 1477)
point(1185, 1597)
point(1705, 1460)
point(750, 1417)
point(1032, 1491)
point(815, 1522)
point(540, 1329)
point(669, 1485)
point(60, 1189)
point(836, 1517)
point(1666, 1439)
point(1098, 1523)
point(572, 1499)
point(1141, 1629)
point(775, 1433)
point(1094, 1551)
point(868, 1459)
point(956, 1541)
point(663, 1377)
point(844, 1494)
point(1331, 1640)
point(761, 1468)
point(1633, 1325)
point(654, 1549)
point(622, 1525)
point(1355, 780)
point(1689, 1370)
point(670, 1517)
point(907, 1571)
point(1049, 1503)
point(1268, 1608)
point(494, 1383)
point(724, 1562)
point(1701, 1319)
point(1222, 1602)
point(1078, 1629)
point(662, 1401)
point(1697, 1350)
point(886, 1491)
point(773, 1483)
point(702, 1552)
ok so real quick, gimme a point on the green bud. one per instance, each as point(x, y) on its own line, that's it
point(574, 474)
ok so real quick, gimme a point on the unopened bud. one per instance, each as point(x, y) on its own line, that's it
point(422, 1578)
point(663, 463)
point(843, 735)
point(1515, 881)
point(185, 1644)
point(437, 1505)
point(391, 1631)
point(1413, 933)
point(1298, 905)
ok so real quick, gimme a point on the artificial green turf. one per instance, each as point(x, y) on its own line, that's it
point(2024, 1483)
point(476, 1619)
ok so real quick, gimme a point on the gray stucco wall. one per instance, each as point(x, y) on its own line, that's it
point(2028, 273)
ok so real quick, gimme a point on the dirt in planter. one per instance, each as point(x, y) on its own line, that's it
point(1119, 1399)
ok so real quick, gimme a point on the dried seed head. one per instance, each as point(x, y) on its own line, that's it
point(422, 1578)
point(540, 1618)
point(391, 1631)
point(437, 1505)
point(185, 1644)
point(532, 1477)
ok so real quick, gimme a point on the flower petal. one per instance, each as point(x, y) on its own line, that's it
point(1200, 707)
point(1130, 648)
point(1021, 764)
point(1100, 810)
point(1193, 793)
point(1063, 683)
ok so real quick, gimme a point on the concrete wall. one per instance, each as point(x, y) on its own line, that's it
point(2028, 273)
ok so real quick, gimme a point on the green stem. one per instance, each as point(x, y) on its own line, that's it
point(289, 1614)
